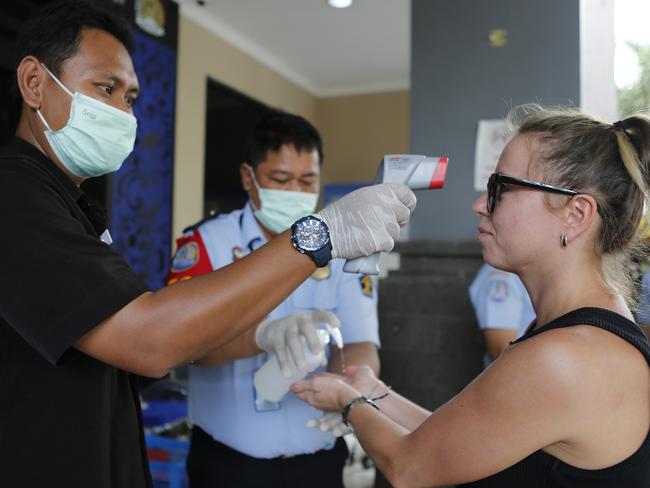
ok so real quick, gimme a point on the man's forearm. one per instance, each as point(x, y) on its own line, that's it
point(354, 354)
point(186, 321)
point(242, 346)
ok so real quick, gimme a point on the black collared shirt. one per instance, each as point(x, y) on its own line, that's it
point(66, 419)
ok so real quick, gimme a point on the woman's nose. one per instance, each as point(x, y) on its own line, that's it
point(480, 205)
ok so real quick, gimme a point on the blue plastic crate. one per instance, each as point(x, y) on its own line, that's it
point(168, 472)
point(160, 412)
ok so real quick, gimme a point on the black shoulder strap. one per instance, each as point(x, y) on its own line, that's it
point(602, 318)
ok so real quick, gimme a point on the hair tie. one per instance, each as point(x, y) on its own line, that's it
point(620, 125)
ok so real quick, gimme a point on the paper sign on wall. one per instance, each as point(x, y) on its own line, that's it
point(491, 137)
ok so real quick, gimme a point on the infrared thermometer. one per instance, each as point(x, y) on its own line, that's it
point(413, 170)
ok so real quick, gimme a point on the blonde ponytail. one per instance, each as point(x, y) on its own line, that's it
point(630, 157)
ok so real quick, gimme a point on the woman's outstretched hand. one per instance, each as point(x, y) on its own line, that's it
point(331, 392)
point(362, 378)
point(325, 391)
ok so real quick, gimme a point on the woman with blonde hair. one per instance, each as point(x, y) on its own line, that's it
point(567, 404)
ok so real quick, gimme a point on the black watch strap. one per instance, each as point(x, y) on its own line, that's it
point(321, 256)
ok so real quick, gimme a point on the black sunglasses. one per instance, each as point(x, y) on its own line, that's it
point(498, 180)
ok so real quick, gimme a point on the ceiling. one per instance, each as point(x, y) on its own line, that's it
point(329, 52)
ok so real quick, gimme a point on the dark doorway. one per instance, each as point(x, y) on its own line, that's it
point(230, 118)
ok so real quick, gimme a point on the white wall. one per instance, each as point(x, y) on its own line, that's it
point(597, 88)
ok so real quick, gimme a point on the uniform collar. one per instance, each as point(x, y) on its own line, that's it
point(24, 148)
point(251, 232)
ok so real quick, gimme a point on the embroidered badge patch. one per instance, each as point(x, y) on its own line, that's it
point(366, 285)
point(186, 257)
point(498, 291)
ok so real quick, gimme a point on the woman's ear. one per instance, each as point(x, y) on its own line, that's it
point(579, 214)
point(31, 78)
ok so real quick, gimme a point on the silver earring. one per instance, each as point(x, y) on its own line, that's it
point(565, 240)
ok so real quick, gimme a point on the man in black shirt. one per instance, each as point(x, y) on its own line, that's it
point(74, 318)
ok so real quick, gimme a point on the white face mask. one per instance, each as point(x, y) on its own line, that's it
point(281, 208)
point(97, 138)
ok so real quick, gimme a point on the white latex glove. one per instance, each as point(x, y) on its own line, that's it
point(368, 220)
point(282, 337)
point(330, 422)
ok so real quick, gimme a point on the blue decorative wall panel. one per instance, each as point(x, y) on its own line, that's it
point(141, 192)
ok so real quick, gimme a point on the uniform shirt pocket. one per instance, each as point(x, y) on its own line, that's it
point(314, 295)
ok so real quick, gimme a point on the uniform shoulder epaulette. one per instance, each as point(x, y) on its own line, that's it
point(201, 222)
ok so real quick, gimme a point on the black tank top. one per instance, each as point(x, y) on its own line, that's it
point(540, 469)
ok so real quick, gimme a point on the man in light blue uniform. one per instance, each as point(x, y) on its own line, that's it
point(502, 307)
point(239, 439)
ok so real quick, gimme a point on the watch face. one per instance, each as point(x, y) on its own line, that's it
point(311, 235)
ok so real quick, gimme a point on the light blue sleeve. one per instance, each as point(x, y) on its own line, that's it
point(356, 306)
point(497, 301)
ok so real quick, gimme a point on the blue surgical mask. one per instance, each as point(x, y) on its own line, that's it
point(97, 138)
point(281, 208)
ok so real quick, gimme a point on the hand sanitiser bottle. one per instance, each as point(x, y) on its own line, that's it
point(272, 385)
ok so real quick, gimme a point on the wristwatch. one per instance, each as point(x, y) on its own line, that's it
point(310, 236)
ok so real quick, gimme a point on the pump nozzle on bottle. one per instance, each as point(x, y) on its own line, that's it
point(335, 332)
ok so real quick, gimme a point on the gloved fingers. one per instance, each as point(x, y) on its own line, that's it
point(260, 333)
point(283, 362)
point(333, 422)
point(402, 214)
point(393, 230)
point(388, 243)
point(330, 420)
point(368, 220)
point(326, 422)
point(308, 323)
point(341, 429)
point(307, 329)
point(392, 210)
point(404, 194)
point(296, 347)
point(325, 317)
